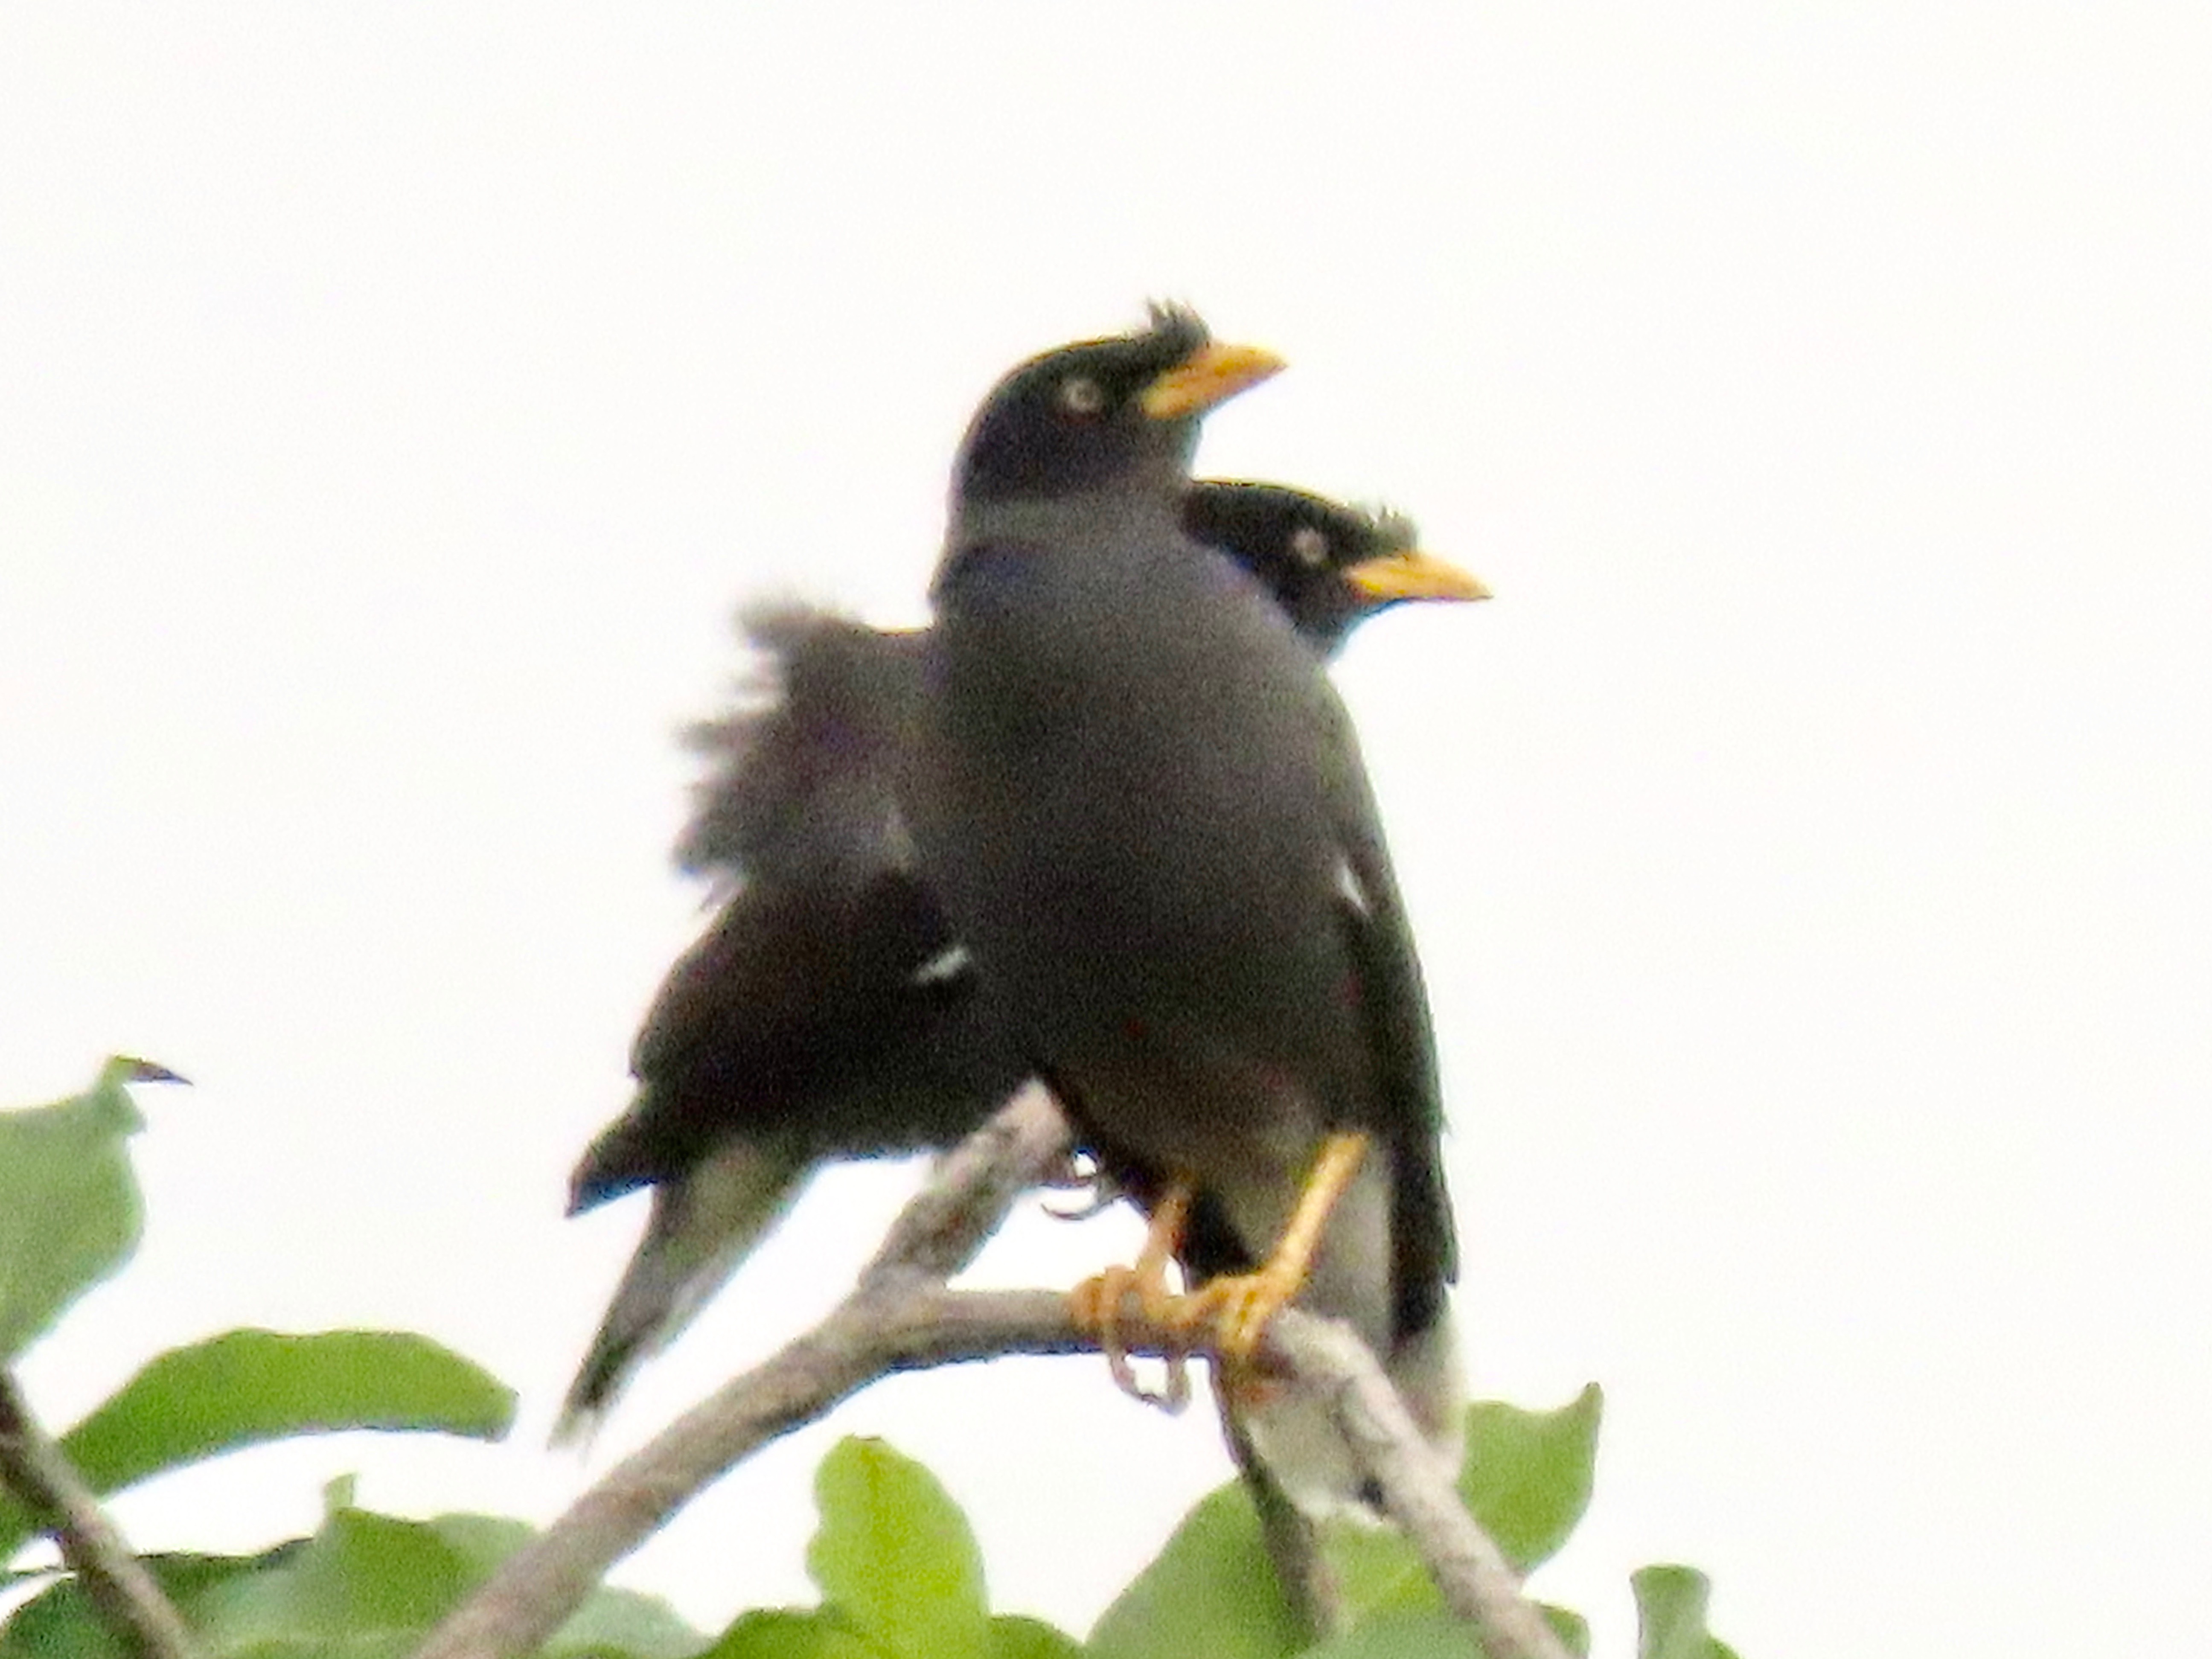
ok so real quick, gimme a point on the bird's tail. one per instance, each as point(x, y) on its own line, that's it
point(1308, 1455)
point(704, 1225)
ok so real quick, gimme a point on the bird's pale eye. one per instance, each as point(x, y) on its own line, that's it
point(1081, 395)
point(1310, 547)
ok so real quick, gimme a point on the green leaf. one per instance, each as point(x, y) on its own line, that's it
point(70, 1212)
point(61, 1622)
point(1377, 1572)
point(894, 1557)
point(1527, 1474)
point(1527, 1478)
point(1380, 1577)
point(362, 1582)
point(369, 1583)
point(367, 1586)
point(484, 1541)
point(250, 1386)
point(1211, 1590)
point(611, 1621)
point(1012, 1637)
point(1670, 1615)
point(788, 1633)
point(623, 1622)
point(1432, 1634)
point(1572, 1627)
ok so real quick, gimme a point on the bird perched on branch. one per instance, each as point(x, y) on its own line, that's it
point(1142, 808)
point(828, 1011)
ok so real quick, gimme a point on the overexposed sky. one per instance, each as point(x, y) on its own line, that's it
point(1807, 847)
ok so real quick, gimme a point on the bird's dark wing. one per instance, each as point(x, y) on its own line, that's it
point(1395, 1004)
point(825, 1012)
point(841, 1019)
point(799, 778)
point(806, 999)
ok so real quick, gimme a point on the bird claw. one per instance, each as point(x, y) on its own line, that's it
point(1231, 1314)
point(1236, 1309)
point(1099, 1307)
point(1228, 1318)
point(1080, 1173)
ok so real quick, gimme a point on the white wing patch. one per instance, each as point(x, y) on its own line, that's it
point(949, 964)
point(1352, 891)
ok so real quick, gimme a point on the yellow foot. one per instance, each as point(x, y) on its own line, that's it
point(1099, 1305)
point(1234, 1310)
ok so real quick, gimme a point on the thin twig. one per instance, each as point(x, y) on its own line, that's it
point(902, 1317)
point(33, 1468)
point(1303, 1570)
point(1478, 1583)
point(871, 1332)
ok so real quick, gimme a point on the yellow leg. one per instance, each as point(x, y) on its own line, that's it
point(1239, 1307)
point(1098, 1304)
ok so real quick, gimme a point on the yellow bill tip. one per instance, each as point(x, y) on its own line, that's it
point(1210, 376)
point(1414, 575)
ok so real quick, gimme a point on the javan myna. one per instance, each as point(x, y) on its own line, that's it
point(1142, 807)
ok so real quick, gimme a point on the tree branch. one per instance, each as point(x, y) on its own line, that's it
point(47, 1483)
point(900, 1317)
point(1303, 1571)
point(536, 1588)
point(1478, 1583)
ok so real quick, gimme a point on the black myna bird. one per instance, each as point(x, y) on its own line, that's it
point(1142, 806)
point(828, 1012)
point(1329, 566)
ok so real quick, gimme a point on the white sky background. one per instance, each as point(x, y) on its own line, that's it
point(1807, 847)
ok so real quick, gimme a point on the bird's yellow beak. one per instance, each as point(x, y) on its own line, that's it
point(1213, 374)
point(1414, 575)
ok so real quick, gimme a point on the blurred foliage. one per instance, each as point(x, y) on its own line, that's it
point(366, 1586)
point(1526, 1477)
point(896, 1562)
point(1670, 1615)
point(251, 1387)
point(69, 1203)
